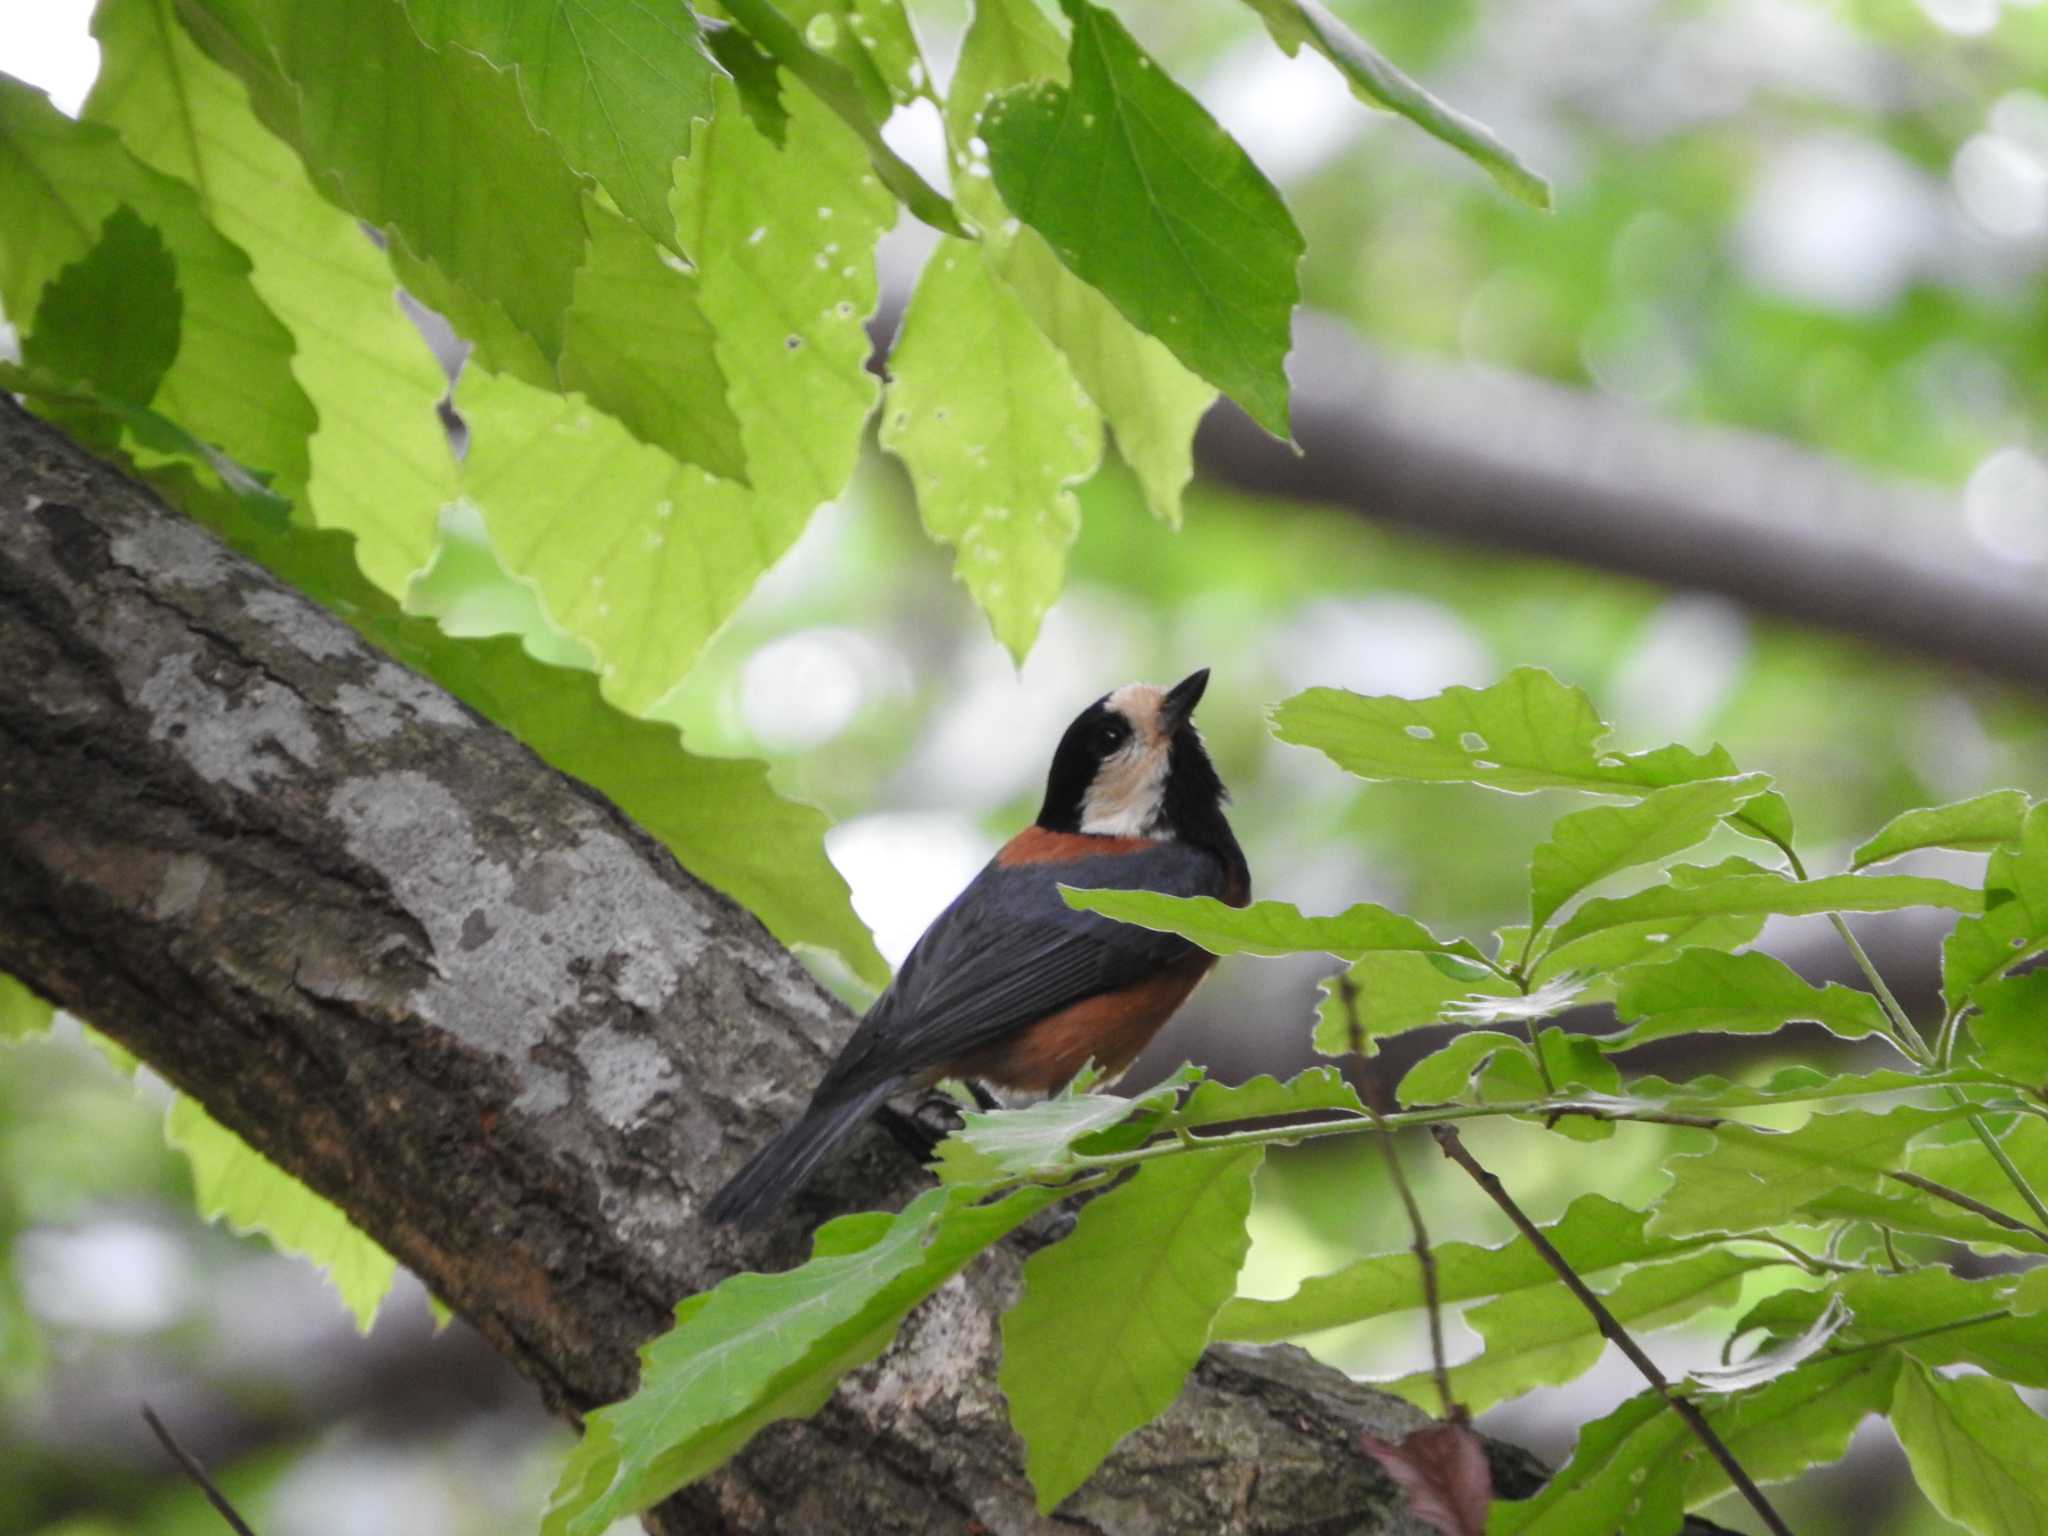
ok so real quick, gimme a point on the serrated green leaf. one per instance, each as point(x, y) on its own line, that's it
point(1636, 1471)
point(2011, 929)
point(873, 40)
point(1544, 1336)
point(1597, 959)
point(642, 558)
point(1375, 81)
point(1906, 1210)
point(2011, 1025)
point(22, 1013)
point(1704, 989)
point(110, 319)
point(1142, 196)
point(1795, 1085)
point(1692, 894)
point(1114, 1317)
point(379, 461)
point(1753, 1177)
point(1149, 400)
point(1039, 1138)
point(1977, 825)
point(994, 429)
point(1265, 1097)
point(840, 90)
point(1269, 928)
point(637, 342)
point(1391, 991)
point(232, 1182)
point(431, 145)
point(1593, 1234)
point(761, 1347)
point(1978, 1452)
point(1935, 1316)
point(1444, 1075)
point(616, 86)
point(232, 383)
point(1589, 845)
point(1963, 1164)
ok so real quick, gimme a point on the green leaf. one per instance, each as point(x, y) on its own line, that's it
point(1544, 1336)
point(616, 85)
point(1936, 1317)
point(232, 383)
point(1979, 1453)
point(1144, 197)
point(2011, 929)
point(1039, 1138)
point(379, 461)
point(1599, 958)
point(1593, 1234)
point(832, 83)
point(1392, 991)
point(1908, 1210)
point(637, 342)
point(1636, 1471)
point(1375, 81)
point(763, 1347)
point(1704, 892)
point(642, 558)
point(110, 319)
point(1150, 401)
point(1977, 825)
point(994, 428)
point(1269, 928)
point(1963, 1164)
point(231, 1182)
point(22, 1013)
point(1795, 1085)
point(1752, 1177)
point(1751, 994)
point(1114, 1317)
point(2011, 1026)
point(872, 40)
point(433, 146)
point(1263, 1098)
point(1446, 1074)
point(1589, 845)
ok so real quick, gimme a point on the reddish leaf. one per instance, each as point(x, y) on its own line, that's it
point(1442, 1469)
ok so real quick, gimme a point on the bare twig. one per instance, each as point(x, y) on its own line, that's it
point(197, 1473)
point(1976, 1207)
point(1454, 1148)
point(1425, 1260)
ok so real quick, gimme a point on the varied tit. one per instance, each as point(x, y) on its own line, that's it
point(1010, 985)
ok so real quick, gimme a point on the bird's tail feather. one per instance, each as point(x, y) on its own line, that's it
point(775, 1173)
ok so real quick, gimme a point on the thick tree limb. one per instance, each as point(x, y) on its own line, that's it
point(1523, 464)
point(468, 1000)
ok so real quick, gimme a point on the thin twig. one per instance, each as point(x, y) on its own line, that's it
point(1454, 1148)
point(197, 1473)
point(1425, 1259)
point(1974, 1206)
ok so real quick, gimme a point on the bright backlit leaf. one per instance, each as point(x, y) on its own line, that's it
point(615, 85)
point(1039, 1138)
point(993, 427)
point(1142, 195)
point(636, 555)
point(232, 1182)
point(1150, 401)
point(1265, 1097)
point(1740, 892)
point(380, 465)
point(2013, 927)
point(1589, 845)
point(1114, 1317)
point(22, 1013)
point(1375, 80)
point(1445, 1074)
point(2011, 1025)
point(1392, 991)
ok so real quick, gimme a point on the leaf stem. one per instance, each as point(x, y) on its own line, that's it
point(1976, 1207)
point(1454, 1148)
point(2005, 1163)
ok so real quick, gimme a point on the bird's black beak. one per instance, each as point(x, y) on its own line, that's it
point(1181, 700)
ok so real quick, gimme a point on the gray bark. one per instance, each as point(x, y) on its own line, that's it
point(465, 998)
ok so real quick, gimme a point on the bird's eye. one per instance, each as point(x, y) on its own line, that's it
point(1111, 733)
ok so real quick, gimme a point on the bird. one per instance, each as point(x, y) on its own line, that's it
point(1009, 985)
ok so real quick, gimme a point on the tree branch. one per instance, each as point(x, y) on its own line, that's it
point(468, 1000)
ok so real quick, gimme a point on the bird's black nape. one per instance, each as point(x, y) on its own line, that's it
point(1096, 732)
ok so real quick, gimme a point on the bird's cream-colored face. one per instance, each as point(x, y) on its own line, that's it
point(1126, 798)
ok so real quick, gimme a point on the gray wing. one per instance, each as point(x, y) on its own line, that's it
point(1010, 951)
